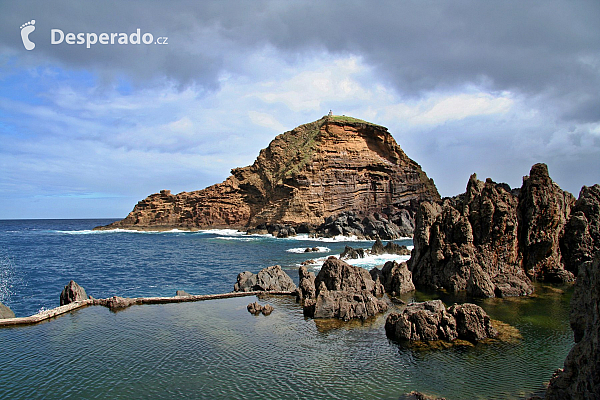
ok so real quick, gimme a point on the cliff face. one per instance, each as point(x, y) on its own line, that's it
point(317, 170)
point(544, 209)
point(491, 240)
point(580, 378)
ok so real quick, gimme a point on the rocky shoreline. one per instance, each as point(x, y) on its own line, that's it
point(491, 241)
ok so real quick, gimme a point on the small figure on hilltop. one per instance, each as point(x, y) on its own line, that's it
point(330, 114)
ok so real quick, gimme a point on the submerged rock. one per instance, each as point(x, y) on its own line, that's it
point(311, 249)
point(268, 279)
point(255, 308)
point(72, 292)
point(431, 320)
point(419, 396)
point(580, 377)
point(6, 312)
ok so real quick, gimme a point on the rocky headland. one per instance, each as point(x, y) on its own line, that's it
point(493, 240)
point(334, 176)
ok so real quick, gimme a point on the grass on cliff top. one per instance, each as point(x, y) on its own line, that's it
point(344, 118)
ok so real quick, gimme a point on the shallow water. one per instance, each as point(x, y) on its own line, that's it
point(216, 349)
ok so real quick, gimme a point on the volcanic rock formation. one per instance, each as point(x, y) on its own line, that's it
point(72, 292)
point(581, 238)
point(491, 240)
point(342, 291)
point(315, 171)
point(268, 279)
point(395, 278)
point(580, 378)
point(430, 320)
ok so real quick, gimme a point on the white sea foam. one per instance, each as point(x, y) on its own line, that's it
point(367, 262)
point(239, 238)
point(222, 232)
point(118, 230)
point(335, 239)
point(303, 250)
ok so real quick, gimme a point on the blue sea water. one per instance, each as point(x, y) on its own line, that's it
point(216, 349)
point(39, 257)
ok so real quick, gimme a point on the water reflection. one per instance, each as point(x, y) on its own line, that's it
point(216, 349)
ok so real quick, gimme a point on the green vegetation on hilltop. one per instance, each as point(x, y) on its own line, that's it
point(344, 118)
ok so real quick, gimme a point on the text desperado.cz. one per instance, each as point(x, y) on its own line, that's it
point(57, 36)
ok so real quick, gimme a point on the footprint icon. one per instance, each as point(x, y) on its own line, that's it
point(26, 29)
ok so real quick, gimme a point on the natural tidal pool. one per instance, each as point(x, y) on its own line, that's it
point(216, 349)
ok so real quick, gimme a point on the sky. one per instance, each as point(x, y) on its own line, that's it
point(487, 87)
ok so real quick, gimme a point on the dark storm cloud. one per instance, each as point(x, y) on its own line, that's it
point(548, 50)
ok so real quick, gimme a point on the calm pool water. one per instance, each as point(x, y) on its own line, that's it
point(216, 349)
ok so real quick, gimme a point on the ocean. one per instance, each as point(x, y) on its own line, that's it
point(216, 349)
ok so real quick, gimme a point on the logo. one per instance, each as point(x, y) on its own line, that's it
point(26, 29)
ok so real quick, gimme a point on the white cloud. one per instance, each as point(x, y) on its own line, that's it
point(266, 120)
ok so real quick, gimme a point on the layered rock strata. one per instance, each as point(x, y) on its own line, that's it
point(345, 292)
point(491, 240)
point(268, 279)
point(305, 176)
point(431, 320)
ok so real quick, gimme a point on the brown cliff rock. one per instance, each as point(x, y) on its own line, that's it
point(491, 240)
point(315, 171)
point(580, 378)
